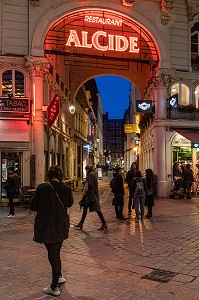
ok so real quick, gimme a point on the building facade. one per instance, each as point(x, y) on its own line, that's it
point(50, 48)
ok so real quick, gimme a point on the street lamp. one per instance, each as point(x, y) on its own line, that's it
point(72, 109)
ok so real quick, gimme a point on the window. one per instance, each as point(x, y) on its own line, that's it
point(183, 93)
point(197, 96)
point(195, 46)
point(195, 41)
point(13, 83)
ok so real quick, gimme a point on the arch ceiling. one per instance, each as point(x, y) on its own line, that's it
point(101, 34)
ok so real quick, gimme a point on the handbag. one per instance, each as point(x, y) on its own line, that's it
point(150, 190)
point(67, 215)
point(82, 202)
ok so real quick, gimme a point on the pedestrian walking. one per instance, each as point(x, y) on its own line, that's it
point(138, 193)
point(11, 189)
point(188, 180)
point(150, 182)
point(91, 202)
point(118, 192)
point(129, 177)
point(50, 201)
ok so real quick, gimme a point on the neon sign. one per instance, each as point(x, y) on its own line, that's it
point(104, 21)
point(114, 42)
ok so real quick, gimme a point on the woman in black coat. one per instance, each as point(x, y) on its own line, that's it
point(119, 194)
point(51, 227)
point(150, 182)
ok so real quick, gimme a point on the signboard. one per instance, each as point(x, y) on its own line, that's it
point(173, 101)
point(195, 145)
point(100, 38)
point(53, 110)
point(15, 105)
point(144, 106)
point(129, 128)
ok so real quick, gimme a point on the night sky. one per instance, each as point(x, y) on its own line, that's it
point(114, 91)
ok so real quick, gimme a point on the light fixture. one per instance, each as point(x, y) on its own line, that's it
point(72, 109)
point(173, 90)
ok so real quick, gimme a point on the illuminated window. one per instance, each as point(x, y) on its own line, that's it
point(13, 83)
point(197, 96)
point(183, 92)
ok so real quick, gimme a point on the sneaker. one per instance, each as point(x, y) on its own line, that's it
point(61, 279)
point(10, 216)
point(49, 291)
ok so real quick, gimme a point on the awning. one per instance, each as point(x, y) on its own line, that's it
point(14, 131)
point(190, 134)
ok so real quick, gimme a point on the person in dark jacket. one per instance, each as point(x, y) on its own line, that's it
point(188, 179)
point(91, 194)
point(11, 189)
point(150, 182)
point(129, 177)
point(138, 197)
point(50, 201)
point(119, 194)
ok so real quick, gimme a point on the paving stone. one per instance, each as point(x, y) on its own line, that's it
point(106, 265)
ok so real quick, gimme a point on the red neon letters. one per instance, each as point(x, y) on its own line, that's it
point(114, 42)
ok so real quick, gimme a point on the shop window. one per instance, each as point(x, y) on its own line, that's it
point(183, 93)
point(13, 83)
point(197, 96)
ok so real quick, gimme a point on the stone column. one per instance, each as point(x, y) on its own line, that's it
point(38, 67)
point(161, 82)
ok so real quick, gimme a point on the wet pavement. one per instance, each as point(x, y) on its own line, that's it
point(107, 265)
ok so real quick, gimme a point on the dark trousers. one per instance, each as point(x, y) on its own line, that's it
point(11, 203)
point(149, 210)
point(130, 203)
point(119, 204)
point(55, 261)
point(84, 214)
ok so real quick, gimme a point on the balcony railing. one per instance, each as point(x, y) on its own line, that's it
point(175, 114)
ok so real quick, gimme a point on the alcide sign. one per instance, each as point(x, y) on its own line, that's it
point(15, 105)
point(53, 110)
point(103, 41)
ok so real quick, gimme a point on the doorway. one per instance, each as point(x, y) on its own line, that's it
point(8, 160)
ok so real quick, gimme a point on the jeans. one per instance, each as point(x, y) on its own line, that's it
point(55, 261)
point(84, 214)
point(139, 200)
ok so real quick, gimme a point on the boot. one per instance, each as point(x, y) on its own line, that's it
point(104, 226)
point(79, 225)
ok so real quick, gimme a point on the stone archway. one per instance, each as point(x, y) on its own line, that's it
point(58, 12)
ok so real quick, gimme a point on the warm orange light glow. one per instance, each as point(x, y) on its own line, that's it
point(115, 42)
point(34, 99)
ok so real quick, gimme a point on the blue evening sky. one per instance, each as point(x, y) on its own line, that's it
point(114, 91)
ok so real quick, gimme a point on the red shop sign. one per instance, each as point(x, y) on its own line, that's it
point(53, 110)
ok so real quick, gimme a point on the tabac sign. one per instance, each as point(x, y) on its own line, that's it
point(53, 110)
point(15, 105)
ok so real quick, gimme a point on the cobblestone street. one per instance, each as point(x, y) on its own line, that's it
point(107, 265)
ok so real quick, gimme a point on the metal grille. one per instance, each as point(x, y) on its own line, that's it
point(160, 276)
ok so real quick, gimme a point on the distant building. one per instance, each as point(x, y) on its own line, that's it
point(113, 137)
